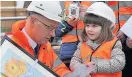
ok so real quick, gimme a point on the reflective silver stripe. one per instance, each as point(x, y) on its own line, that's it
point(125, 3)
point(56, 63)
point(114, 8)
point(73, 32)
point(83, 60)
point(124, 17)
point(116, 20)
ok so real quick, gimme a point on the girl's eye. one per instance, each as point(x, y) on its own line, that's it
point(94, 25)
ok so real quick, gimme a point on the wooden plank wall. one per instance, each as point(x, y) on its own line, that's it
point(10, 12)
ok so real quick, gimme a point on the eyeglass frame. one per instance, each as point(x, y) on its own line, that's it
point(49, 27)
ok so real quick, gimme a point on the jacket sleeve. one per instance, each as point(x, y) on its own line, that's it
point(58, 66)
point(115, 64)
point(63, 29)
point(76, 59)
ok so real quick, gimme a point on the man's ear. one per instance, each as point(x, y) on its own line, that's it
point(32, 19)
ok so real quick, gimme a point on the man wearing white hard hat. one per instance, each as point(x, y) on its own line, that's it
point(33, 35)
point(36, 31)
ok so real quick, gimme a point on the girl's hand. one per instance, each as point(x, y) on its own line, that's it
point(91, 67)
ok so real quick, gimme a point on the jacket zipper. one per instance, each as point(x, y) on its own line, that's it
point(91, 56)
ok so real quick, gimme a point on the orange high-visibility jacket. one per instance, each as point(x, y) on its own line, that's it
point(46, 54)
point(19, 25)
point(104, 51)
point(123, 11)
point(74, 34)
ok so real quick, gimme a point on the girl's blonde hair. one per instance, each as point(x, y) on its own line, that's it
point(106, 32)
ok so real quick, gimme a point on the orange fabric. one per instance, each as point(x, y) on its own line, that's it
point(85, 3)
point(46, 53)
point(122, 22)
point(73, 38)
point(116, 13)
point(125, 10)
point(80, 25)
point(69, 38)
point(113, 3)
point(18, 25)
point(104, 51)
point(122, 11)
point(66, 5)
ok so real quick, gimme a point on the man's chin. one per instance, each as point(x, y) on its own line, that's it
point(43, 42)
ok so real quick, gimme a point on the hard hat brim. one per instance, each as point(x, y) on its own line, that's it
point(43, 13)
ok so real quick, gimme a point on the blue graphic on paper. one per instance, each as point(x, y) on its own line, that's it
point(13, 65)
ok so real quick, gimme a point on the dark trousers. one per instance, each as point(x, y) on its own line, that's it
point(128, 67)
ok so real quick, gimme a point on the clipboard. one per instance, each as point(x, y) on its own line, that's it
point(127, 28)
point(17, 62)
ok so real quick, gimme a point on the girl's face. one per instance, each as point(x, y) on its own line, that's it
point(93, 31)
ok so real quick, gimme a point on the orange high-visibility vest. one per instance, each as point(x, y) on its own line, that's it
point(123, 11)
point(46, 54)
point(104, 51)
point(74, 35)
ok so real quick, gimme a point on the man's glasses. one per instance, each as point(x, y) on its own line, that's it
point(49, 27)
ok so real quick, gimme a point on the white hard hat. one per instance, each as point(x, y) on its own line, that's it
point(49, 9)
point(103, 10)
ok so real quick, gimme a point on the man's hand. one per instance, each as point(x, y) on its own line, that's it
point(121, 36)
point(83, 10)
point(129, 42)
